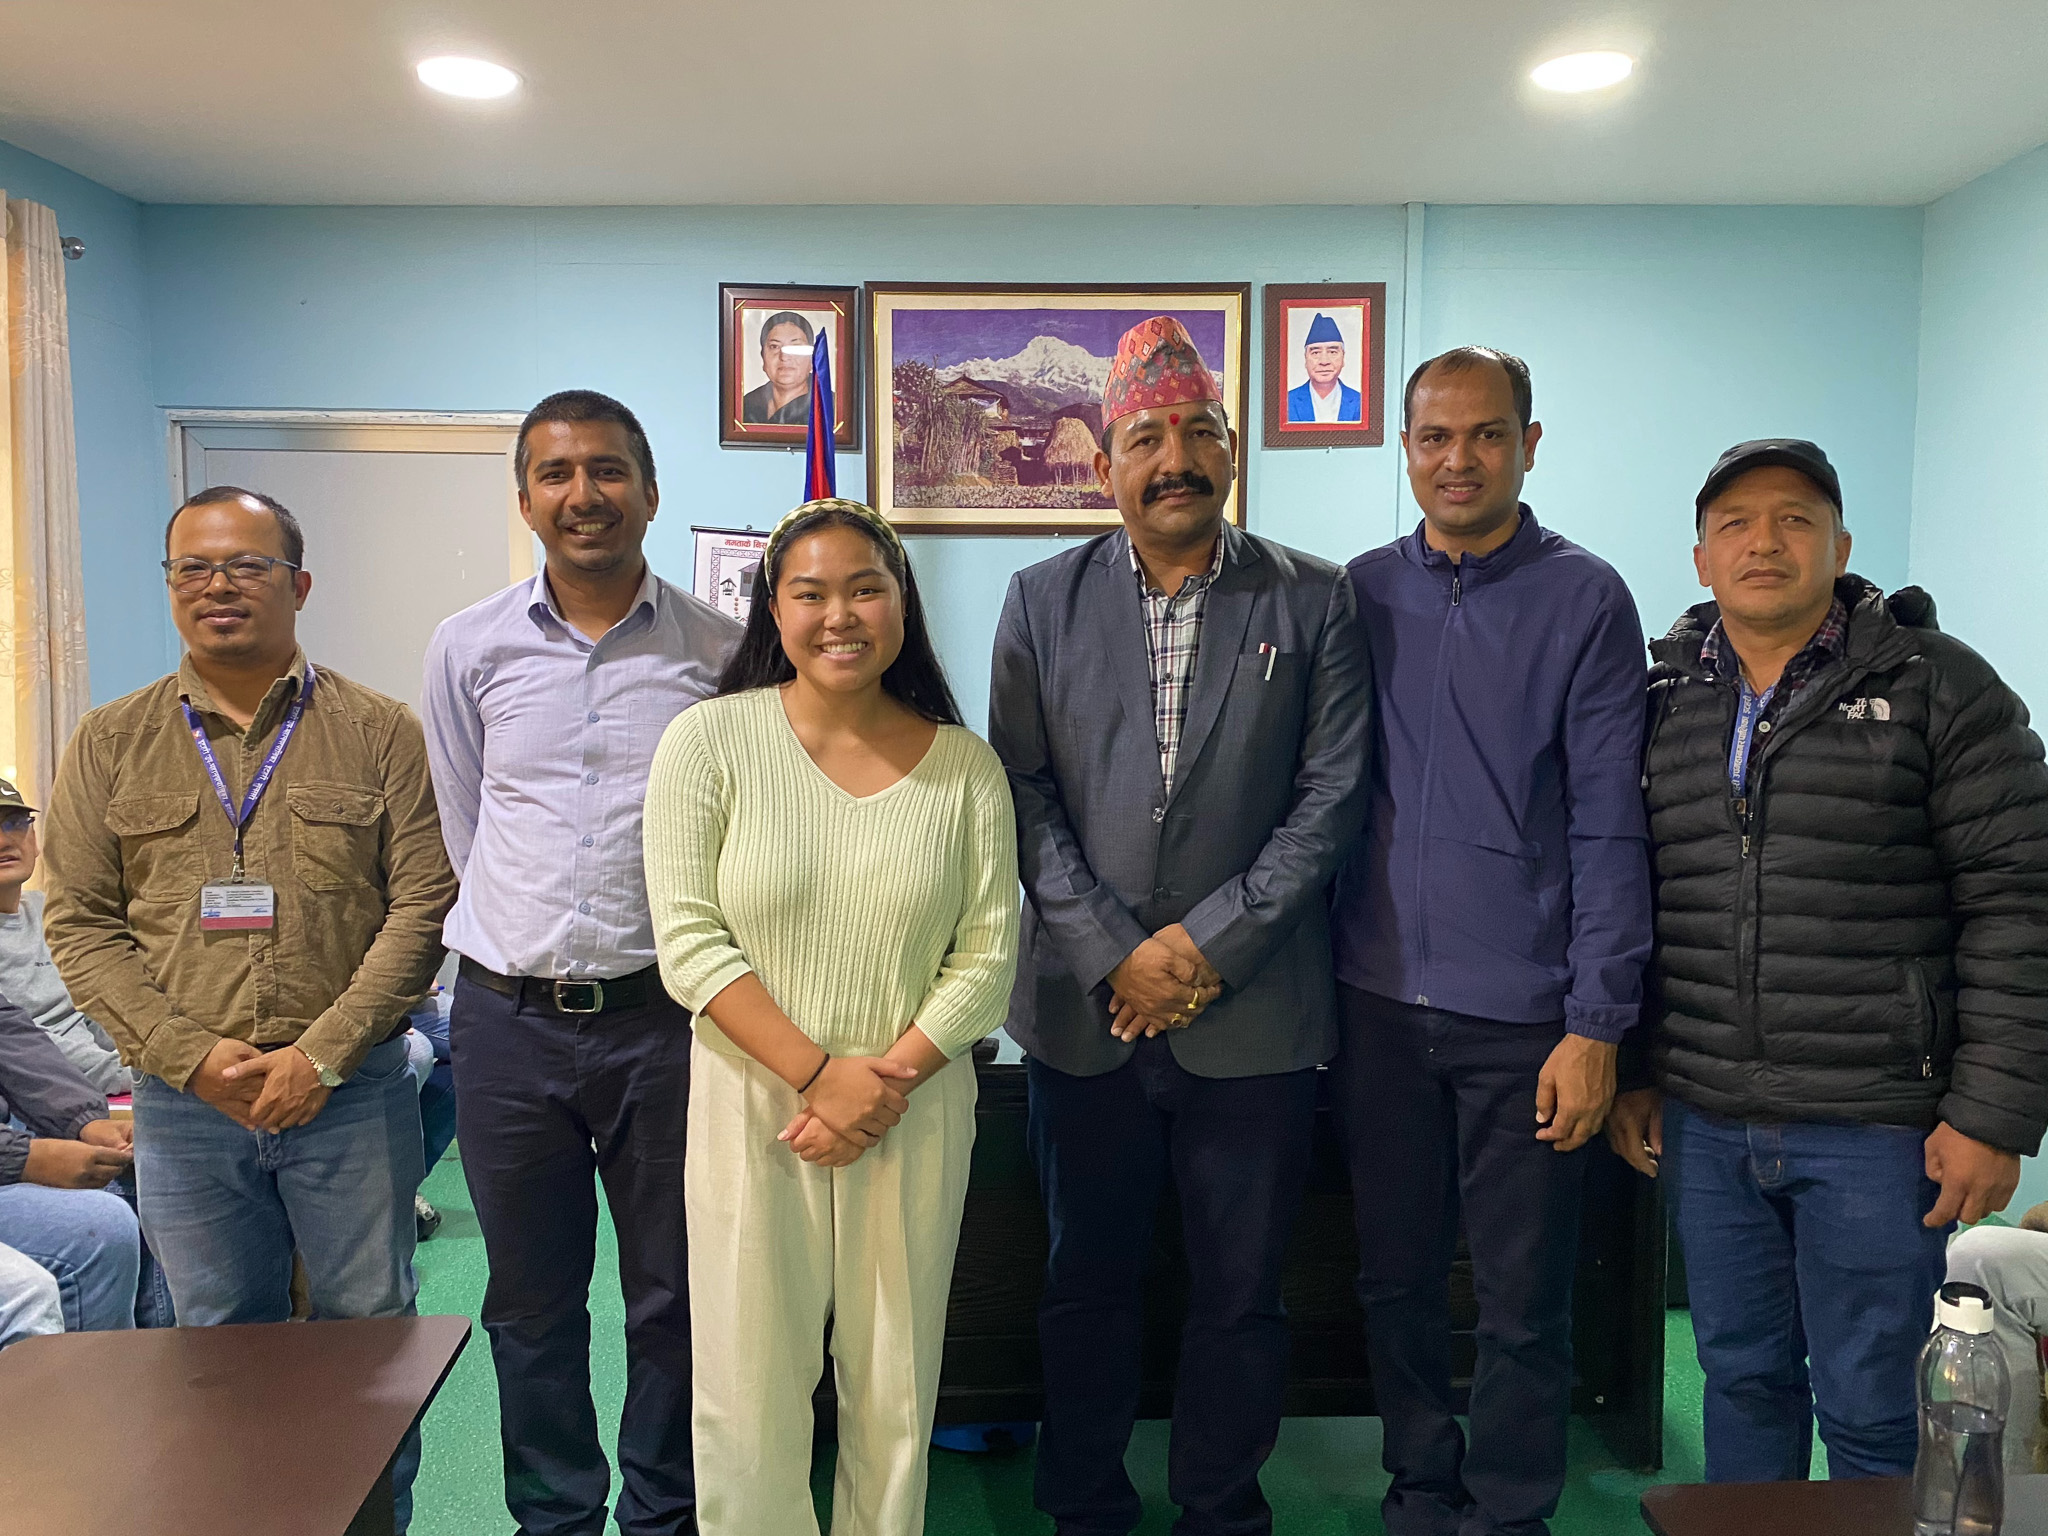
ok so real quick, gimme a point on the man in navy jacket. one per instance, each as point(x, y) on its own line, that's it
point(1489, 939)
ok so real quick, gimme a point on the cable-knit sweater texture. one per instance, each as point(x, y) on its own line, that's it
point(861, 915)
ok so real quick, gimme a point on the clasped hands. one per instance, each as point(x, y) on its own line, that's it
point(1163, 984)
point(259, 1090)
point(100, 1154)
point(848, 1108)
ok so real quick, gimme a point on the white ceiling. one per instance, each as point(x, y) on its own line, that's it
point(1026, 101)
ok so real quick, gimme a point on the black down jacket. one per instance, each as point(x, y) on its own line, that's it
point(1866, 937)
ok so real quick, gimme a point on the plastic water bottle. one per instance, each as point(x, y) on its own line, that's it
point(1959, 1475)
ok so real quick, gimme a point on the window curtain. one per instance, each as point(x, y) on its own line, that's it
point(43, 683)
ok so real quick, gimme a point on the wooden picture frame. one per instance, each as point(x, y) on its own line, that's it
point(1359, 312)
point(991, 428)
point(747, 417)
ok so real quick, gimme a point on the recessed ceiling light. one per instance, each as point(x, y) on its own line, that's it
point(477, 79)
point(1583, 71)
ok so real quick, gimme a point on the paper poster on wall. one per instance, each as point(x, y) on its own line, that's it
point(727, 559)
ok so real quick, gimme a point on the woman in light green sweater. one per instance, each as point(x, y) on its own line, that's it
point(832, 866)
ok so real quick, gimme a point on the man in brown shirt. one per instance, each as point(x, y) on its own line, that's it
point(250, 919)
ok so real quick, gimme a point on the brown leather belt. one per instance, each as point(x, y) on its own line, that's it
point(569, 997)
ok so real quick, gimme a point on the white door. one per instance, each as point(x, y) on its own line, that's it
point(405, 524)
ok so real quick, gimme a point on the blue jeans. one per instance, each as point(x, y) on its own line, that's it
point(437, 1090)
point(87, 1238)
point(224, 1208)
point(1812, 1285)
point(153, 1305)
point(30, 1304)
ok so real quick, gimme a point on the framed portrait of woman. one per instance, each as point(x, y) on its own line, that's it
point(768, 335)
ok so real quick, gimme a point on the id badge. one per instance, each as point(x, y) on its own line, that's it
point(239, 905)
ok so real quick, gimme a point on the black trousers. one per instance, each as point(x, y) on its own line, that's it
point(1236, 1151)
point(1438, 1113)
point(546, 1104)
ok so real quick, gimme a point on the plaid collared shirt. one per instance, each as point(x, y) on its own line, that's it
point(1755, 713)
point(1173, 634)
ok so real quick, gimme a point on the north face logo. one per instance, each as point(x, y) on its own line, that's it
point(1865, 709)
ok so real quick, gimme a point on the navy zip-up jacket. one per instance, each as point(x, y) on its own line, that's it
point(39, 1085)
point(1504, 871)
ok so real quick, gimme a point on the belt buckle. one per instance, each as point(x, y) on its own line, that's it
point(595, 989)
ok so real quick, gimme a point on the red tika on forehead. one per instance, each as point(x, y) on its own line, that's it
point(1157, 363)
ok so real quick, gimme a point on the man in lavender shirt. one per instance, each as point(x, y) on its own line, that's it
point(543, 707)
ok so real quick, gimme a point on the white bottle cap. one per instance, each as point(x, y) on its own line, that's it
point(1963, 1307)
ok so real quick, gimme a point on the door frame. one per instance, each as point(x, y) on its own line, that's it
point(193, 430)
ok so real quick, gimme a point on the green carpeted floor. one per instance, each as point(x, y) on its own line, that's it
point(1324, 1480)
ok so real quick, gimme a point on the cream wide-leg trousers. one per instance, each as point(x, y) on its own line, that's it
point(778, 1246)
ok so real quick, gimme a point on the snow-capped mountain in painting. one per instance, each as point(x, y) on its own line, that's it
point(1051, 369)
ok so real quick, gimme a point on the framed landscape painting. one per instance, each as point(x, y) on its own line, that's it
point(986, 399)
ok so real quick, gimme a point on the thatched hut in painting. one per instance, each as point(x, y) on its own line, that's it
point(1070, 453)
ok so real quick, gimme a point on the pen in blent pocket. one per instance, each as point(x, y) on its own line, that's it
point(1270, 652)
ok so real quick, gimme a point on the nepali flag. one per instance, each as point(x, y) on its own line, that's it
point(821, 471)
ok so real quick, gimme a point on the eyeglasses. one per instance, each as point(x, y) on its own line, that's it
point(14, 823)
point(250, 573)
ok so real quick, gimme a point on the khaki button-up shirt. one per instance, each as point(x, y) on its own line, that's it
point(346, 834)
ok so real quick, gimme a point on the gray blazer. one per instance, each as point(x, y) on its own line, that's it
point(1269, 793)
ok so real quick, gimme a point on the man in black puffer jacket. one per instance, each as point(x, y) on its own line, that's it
point(1848, 1016)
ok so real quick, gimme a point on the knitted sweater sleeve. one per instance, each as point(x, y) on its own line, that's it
point(688, 805)
point(971, 994)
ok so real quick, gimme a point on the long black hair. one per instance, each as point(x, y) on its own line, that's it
point(914, 678)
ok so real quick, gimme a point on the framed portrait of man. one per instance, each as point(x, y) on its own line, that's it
point(1326, 344)
point(767, 337)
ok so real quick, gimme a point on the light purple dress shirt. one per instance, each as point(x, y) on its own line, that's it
point(540, 741)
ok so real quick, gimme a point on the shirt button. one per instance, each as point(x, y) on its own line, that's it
point(588, 839)
point(591, 717)
point(583, 907)
point(590, 778)
point(1763, 727)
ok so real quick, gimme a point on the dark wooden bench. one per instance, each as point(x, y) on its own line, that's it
point(992, 1366)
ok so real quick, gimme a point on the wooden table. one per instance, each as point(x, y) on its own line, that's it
point(1875, 1506)
point(270, 1429)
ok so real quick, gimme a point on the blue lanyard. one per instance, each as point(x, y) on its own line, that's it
point(1749, 709)
point(261, 782)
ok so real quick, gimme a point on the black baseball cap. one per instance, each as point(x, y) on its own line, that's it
point(1792, 452)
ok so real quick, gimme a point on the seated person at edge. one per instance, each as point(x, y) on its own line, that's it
point(55, 1207)
point(28, 976)
point(2011, 1263)
point(832, 872)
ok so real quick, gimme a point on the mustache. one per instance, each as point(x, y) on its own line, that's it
point(1168, 485)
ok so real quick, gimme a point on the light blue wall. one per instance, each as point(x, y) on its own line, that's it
point(1658, 335)
point(121, 475)
point(469, 309)
point(1980, 502)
